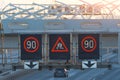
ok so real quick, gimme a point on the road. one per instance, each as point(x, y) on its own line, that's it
point(75, 74)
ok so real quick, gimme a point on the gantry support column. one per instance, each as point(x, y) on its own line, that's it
point(118, 48)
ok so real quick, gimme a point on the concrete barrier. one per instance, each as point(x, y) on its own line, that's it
point(13, 75)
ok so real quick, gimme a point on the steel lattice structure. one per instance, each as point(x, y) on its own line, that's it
point(101, 10)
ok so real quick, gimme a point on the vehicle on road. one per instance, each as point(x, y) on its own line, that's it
point(60, 72)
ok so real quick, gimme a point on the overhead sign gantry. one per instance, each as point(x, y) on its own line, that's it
point(58, 21)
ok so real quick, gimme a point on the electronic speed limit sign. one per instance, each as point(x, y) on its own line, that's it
point(88, 46)
point(31, 44)
point(31, 48)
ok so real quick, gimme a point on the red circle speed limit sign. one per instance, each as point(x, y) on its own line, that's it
point(31, 44)
point(88, 44)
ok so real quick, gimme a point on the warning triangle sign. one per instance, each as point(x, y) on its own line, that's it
point(59, 46)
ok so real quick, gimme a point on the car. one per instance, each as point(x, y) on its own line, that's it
point(60, 72)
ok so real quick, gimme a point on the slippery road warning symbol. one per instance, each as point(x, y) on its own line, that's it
point(59, 46)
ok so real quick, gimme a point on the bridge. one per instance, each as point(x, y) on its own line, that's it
point(49, 30)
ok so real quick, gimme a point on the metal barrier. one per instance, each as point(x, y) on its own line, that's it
point(10, 56)
point(109, 55)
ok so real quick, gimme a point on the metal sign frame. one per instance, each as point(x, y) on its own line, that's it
point(31, 54)
point(63, 55)
point(85, 51)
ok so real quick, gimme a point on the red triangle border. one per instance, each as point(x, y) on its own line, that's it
point(62, 51)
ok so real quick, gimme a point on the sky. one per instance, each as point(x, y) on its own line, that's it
point(3, 3)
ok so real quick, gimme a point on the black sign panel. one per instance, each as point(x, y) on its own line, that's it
point(88, 46)
point(59, 45)
point(31, 47)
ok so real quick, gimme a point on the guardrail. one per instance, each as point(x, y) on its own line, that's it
point(12, 56)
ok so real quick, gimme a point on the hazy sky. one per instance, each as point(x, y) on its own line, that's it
point(5, 2)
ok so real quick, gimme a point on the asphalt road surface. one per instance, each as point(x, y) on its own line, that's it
point(75, 74)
